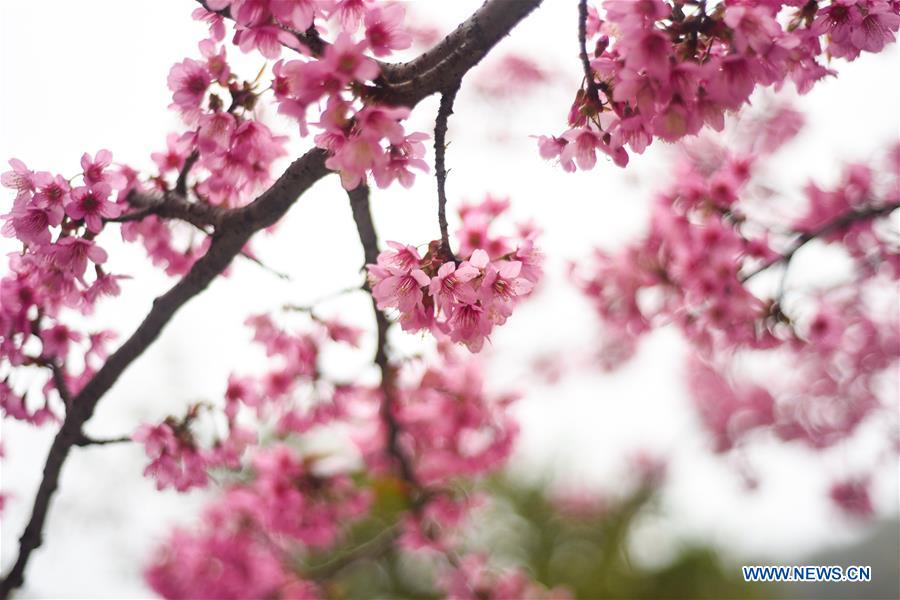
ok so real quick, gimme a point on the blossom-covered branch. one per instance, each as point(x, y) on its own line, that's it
point(462, 50)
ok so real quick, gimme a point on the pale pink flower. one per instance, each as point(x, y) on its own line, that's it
point(189, 81)
point(345, 59)
point(385, 30)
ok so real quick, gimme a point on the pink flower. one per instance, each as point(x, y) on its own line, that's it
point(70, 255)
point(92, 205)
point(876, 29)
point(20, 178)
point(346, 61)
point(340, 332)
point(581, 148)
point(95, 170)
point(214, 134)
point(355, 158)
point(174, 461)
point(384, 29)
point(189, 81)
point(297, 14)
point(56, 340)
point(447, 289)
point(268, 39)
point(398, 289)
point(402, 157)
point(52, 190)
point(350, 13)
point(852, 496)
point(216, 61)
point(177, 150)
point(752, 27)
point(31, 223)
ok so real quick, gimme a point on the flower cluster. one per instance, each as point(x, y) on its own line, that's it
point(665, 68)
point(233, 149)
point(176, 457)
point(464, 299)
point(698, 268)
point(60, 267)
point(292, 499)
point(249, 533)
point(448, 424)
point(360, 136)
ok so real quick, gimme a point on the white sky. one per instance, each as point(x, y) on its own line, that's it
point(80, 76)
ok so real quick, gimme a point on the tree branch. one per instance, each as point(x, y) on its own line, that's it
point(440, 148)
point(173, 206)
point(237, 228)
point(593, 92)
point(359, 203)
point(181, 182)
point(85, 440)
point(434, 71)
point(848, 218)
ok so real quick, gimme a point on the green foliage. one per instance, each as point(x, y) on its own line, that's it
point(584, 550)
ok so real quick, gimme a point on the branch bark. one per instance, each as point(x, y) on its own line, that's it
point(440, 168)
point(848, 218)
point(407, 84)
point(359, 203)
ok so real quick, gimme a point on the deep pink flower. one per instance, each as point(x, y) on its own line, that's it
point(52, 190)
point(95, 170)
point(852, 496)
point(92, 205)
point(56, 340)
point(877, 28)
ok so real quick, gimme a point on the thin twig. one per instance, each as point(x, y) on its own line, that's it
point(832, 226)
point(373, 548)
point(359, 203)
point(593, 92)
point(85, 440)
point(440, 148)
point(181, 182)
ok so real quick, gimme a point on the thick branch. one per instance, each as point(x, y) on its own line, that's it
point(440, 168)
point(446, 63)
point(173, 206)
point(407, 84)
